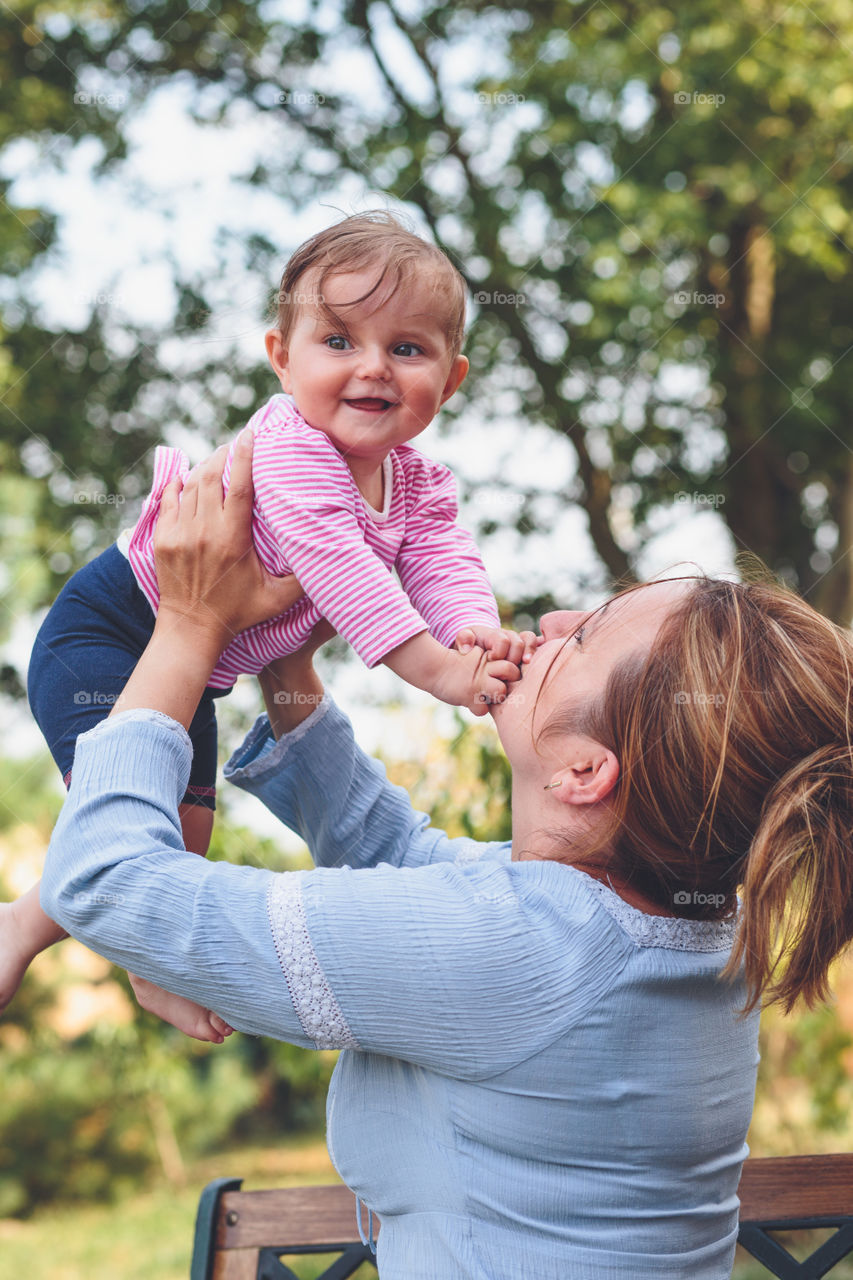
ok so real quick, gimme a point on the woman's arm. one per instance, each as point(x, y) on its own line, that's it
point(118, 878)
point(318, 782)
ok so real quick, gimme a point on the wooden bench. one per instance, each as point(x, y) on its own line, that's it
point(240, 1235)
point(791, 1193)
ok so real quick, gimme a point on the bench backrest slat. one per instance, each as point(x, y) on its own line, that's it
point(297, 1216)
point(774, 1188)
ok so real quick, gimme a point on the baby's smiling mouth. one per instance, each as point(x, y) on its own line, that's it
point(371, 404)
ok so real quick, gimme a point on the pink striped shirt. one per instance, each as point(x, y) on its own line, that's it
point(309, 518)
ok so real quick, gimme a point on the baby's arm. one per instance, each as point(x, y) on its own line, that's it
point(471, 679)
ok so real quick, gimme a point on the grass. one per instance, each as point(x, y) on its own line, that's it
point(148, 1235)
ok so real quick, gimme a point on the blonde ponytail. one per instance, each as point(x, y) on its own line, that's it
point(797, 911)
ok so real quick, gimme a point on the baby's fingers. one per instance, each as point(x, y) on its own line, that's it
point(499, 645)
point(512, 647)
point(503, 671)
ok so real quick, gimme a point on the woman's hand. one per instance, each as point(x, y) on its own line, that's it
point(208, 572)
point(212, 586)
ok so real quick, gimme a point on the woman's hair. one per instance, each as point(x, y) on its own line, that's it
point(376, 239)
point(734, 740)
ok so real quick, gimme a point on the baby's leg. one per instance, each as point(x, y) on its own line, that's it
point(24, 931)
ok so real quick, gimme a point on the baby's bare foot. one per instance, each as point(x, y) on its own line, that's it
point(191, 1018)
point(15, 955)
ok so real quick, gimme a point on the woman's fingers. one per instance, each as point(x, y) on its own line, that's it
point(207, 484)
point(170, 505)
point(241, 490)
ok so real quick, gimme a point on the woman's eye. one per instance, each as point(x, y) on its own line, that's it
point(407, 349)
point(337, 342)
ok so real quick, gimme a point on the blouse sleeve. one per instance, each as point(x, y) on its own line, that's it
point(465, 970)
point(319, 783)
point(118, 878)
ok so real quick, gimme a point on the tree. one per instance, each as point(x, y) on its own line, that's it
point(650, 206)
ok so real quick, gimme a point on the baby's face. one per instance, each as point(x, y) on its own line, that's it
point(379, 382)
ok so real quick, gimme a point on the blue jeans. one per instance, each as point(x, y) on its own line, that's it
point(83, 655)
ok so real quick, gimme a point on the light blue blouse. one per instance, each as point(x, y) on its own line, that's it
point(538, 1079)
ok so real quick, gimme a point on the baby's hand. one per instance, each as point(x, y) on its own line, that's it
point(499, 643)
point(490, 682)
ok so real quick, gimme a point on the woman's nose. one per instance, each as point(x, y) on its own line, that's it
point(562, 622)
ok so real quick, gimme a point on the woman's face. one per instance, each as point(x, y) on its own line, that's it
point(579, 650)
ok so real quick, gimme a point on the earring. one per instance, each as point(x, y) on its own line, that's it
point(549, 786)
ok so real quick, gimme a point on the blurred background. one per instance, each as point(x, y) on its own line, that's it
point(652, 208)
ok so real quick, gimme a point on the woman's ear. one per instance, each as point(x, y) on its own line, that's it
point(278, 357)
point(590, 777)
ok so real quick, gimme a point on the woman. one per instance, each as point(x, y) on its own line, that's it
point(547, 1072)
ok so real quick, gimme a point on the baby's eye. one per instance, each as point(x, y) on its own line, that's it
point(337, 342)
point(578, 636)
point(407, 349)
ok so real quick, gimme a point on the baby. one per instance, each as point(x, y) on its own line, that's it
point(367, 348)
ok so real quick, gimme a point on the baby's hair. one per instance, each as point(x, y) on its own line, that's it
point(378, 239)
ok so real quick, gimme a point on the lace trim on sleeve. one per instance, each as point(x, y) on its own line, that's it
point(313, 999)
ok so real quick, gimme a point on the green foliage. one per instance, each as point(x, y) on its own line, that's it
point(29, 793)
point(86, 1119)
point(822, 1043)
point(651, 204)
point(87, 1116)
point(464, 784)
